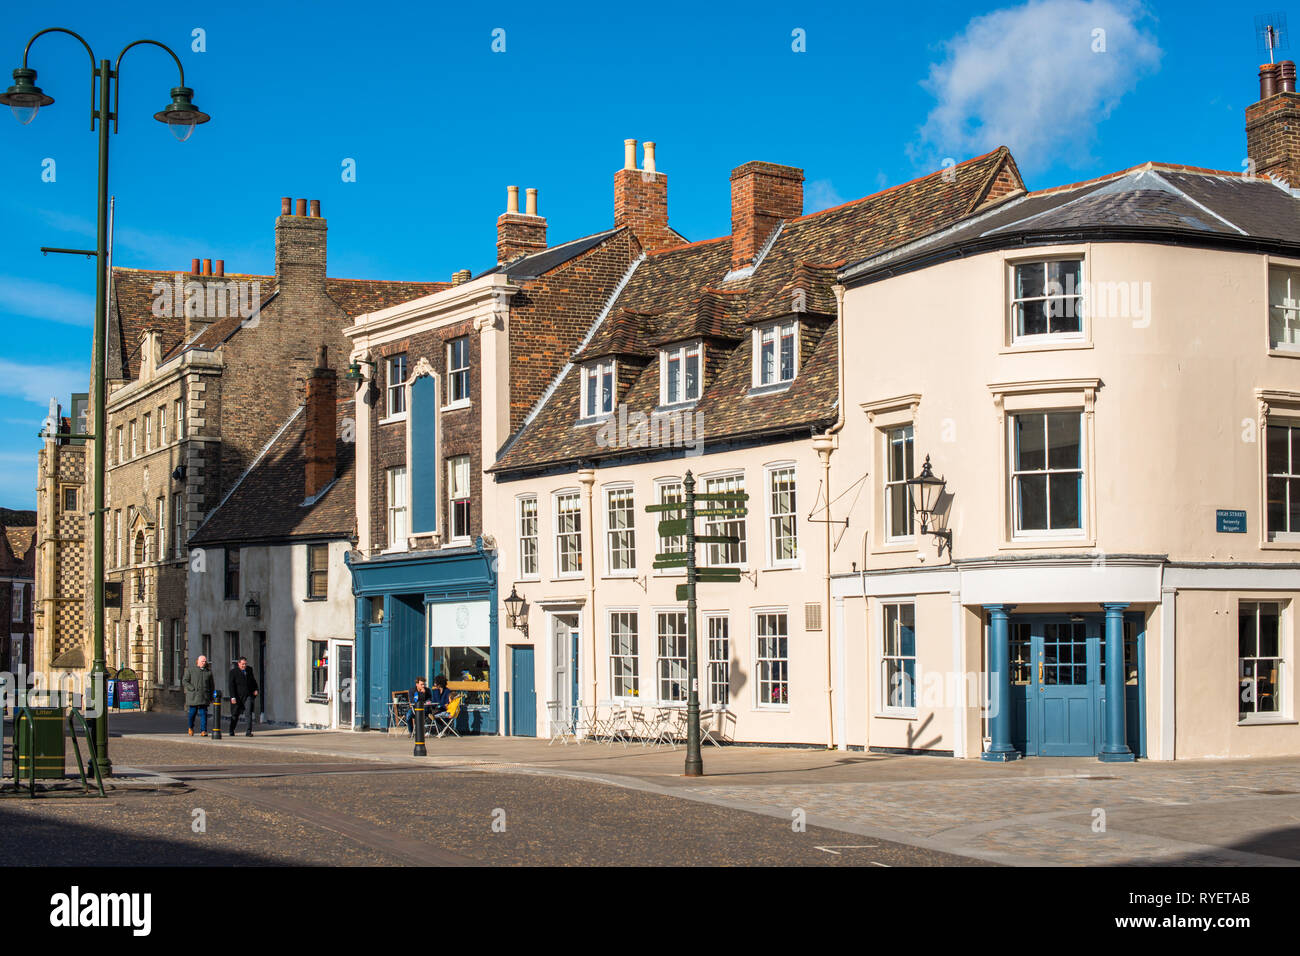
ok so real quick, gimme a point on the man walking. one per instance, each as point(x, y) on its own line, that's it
point(243, 690)
point(197, 681)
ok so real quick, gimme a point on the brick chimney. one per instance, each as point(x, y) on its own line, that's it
point(641, 199)
point(322, 389)
point(300, 248)
point(1273, 124)
point(762, 196)
point(519, 233)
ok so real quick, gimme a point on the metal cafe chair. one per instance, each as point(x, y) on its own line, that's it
point(618, 725)
point(444, 723)
point(590, 723)
point(560, 723)
point(660, 727)
point(638, 726)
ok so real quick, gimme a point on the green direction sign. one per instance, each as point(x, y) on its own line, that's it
point(673, 560)
point(717, 575)
point(673, 506)
point(722, 513)
point(683, 593)
point(716, 539)
point(729, 496)
point(674, 528)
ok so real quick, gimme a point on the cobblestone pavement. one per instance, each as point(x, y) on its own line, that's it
point(1035, 812)
point(264, 808)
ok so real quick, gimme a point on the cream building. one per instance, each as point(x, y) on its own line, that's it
point(1106, 376)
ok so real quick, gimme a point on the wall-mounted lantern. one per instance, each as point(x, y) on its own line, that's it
point(252, 608)
point(516, 612)
point(925, 491)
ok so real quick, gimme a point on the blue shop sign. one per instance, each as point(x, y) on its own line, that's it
point(1229, 522)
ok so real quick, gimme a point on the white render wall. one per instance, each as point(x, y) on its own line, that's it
point(278, 575)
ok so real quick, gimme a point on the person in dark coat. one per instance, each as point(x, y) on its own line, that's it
point(243, 690)
point(197, 681)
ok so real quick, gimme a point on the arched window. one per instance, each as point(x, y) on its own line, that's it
point(139, 548)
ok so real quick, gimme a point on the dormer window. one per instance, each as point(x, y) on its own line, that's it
point(679, 375)
point(598, 389)
point(776, 352)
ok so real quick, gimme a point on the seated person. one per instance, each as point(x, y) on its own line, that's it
point(420, 697)
point(440, 696)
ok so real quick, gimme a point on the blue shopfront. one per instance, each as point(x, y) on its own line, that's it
point(1051, 671)
point(425, 613)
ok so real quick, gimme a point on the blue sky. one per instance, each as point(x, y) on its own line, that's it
point(438, 124)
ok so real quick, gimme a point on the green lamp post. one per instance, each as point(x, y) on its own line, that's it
point(26, 99)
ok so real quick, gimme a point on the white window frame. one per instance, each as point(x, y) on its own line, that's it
point(178, 651)
point(457, 374)
point(1013, 486)
point(1079, 297)
point(713, 665)
point(613, 534)
point(1292, 478)
point(17, 601)
point(117, 538)
point(397, 479)
point(178, 525)
point(395, 391)
point(759, 702)
point(682, 354)
point(180, 418)
point(663, 673)
point(160, 530)
point(1286, 309)
point(147, 423)
point(896, 486)
point(453, 499)
point(1282, 692)
point(884, 705)
point(599, 371)
point(725, 525)
point(524, 537)
point(634, 656)
point(669, 545)
point(777, 331)
point(770, 473)
point(121, 445)
point(162, 425)
point(556, 498)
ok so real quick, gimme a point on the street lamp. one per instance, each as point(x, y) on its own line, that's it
point(25, 98)
point(253, 609)
point(514, 611)
point(924, 491)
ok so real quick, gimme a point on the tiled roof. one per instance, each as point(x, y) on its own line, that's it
point(1155, 201)
point(267, 504)
point(133, 297)
point(690, 292)
point(539, 263)
point(16, 554)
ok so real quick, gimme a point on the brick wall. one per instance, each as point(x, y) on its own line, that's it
point(1273, 136)
point(762, 196)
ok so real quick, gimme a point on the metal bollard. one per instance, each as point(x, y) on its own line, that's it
point(417, 714)
point(216, 704)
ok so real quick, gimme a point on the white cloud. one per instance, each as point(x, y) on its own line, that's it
point(820, 195)
point(44, 300)
point(39, 383)
point(1038, 78)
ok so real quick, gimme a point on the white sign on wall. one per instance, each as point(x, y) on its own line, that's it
point(460, 624)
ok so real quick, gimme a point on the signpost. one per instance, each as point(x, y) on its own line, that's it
point(679, 521)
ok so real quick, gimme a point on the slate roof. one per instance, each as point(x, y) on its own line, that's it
point(1156, 202)
point(539, 263)
point(17, 557)
point(267, 506)
point(688, 292)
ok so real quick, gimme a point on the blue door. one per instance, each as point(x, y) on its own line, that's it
point(1066, 654)
point(523, 698)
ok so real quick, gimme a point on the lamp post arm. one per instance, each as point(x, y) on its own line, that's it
point(89, 52)
point(117, 69)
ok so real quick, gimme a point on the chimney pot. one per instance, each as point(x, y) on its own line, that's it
point(629, 154)
point(1267, 80)
point(219, 267)
point(460, 276)
point(300, 207)
point(530, 208)
point(207, 267)
point(641, 200)
point(194, 267)
point(286, 204)
point(512, 199)
point(315, 208)
point(649, 161)
point(1286, 76)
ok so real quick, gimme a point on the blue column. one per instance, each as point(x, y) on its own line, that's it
point(1116, 749)
point(1000, 748)
point(361, 666)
